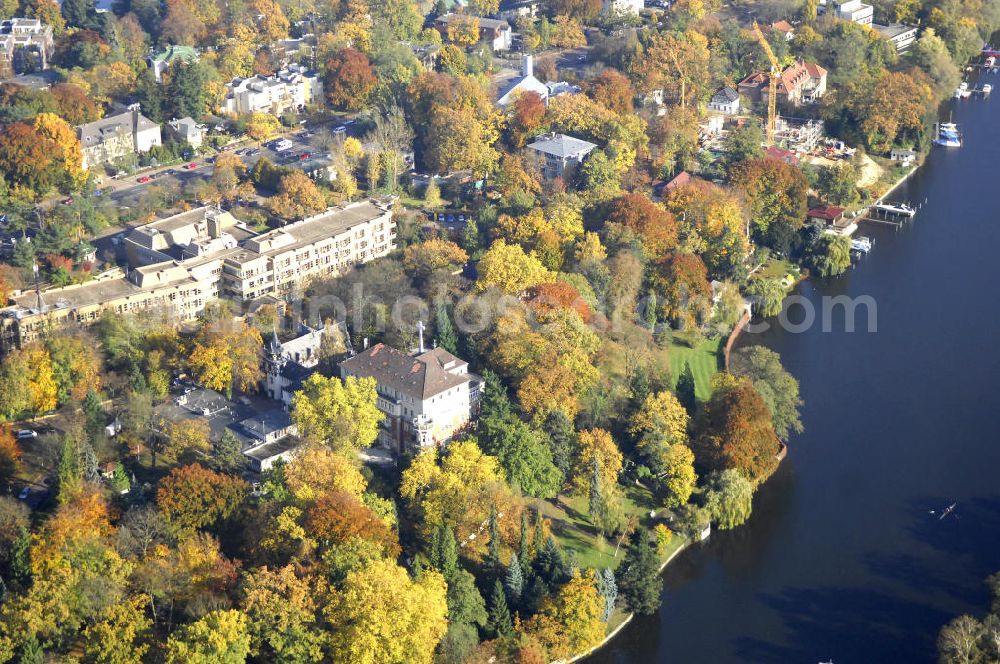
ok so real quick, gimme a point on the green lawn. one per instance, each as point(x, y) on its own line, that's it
point(705, 361)
point(777, 269)
point(573, 531)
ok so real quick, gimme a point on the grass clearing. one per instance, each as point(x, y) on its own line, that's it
point(705, 360)
point(573, 531)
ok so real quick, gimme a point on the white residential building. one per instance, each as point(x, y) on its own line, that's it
point(26, 45)
point(725, 101)
point(851, 10)
point(621, 6)
point(189, 131)
point(559, 155)
point(293, 88)
point(287, 364)
point(117, 136)
point(900, 36)
point(426, 398)
point(180, 264)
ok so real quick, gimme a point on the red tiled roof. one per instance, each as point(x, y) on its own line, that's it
point(682, 179)
point(781, 154)
point(830, 212)
point(782, 26)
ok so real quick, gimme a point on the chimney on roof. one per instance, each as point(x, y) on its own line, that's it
point(420, 333)
point(528, 66)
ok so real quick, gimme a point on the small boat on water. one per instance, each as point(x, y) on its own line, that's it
point(900, 209)
point(987, 89)
point(948, 135)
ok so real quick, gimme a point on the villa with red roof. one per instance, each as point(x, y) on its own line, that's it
point(800, 83)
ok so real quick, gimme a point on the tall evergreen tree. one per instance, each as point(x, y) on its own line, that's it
point(650, 314)
point(227, 454)
point(607, 588)
point(562, 440)
point(493, 553)
point(444, 557)
point(595, 498)
point(686, 390)
point(495, 402)
point(550, 564)
point(69, 476)
point(77, 12)
point(446, 337)
point(639, 579)
point(470, 238)
point(539, 542)
point(514, 580)
point(499, 623)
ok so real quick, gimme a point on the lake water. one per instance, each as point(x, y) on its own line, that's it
point(841, 559)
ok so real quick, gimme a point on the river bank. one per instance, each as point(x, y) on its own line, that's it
point(840, 559)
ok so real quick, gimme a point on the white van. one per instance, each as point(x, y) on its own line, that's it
point(282, 145)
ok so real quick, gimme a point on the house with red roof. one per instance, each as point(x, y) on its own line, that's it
point(800, 83)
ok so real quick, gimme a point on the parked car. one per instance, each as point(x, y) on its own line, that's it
point(341, 129)
point(144, 179)
point(25, 434)
point(191, 166)
point(25, 492)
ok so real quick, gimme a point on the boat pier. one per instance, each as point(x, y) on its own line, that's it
point(893, 214)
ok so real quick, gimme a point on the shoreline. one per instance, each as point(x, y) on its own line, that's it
point(628, 618)
point(730, 342)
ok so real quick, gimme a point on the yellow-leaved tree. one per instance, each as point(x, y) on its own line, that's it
point(507, 268)
point(339, 414)
point(317, 471)
point(68, 152)
point(569, 621)
point(461, 491)
point(596, 446)
point(381, 615)
point(261, 126)
point(227, 354)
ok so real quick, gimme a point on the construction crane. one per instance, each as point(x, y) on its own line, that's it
point(772, 87)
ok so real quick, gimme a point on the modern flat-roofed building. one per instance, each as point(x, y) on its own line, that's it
point(26, 45)
point(182, 263)
point(900, 36)
point(426, 397)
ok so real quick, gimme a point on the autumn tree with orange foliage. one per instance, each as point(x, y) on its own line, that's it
point(349, 79)
point(613, 90)
point(525, 117)
point(74, 105)
point(550, 297)
point(76, 365)
point(734, 430)
point(193, 497)
point(656, 226)
point(227, 354)
point(338, 516)
point(423, 259)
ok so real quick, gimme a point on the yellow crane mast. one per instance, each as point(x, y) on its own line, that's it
point(772, 87)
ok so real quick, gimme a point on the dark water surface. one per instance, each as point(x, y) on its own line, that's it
point(841, 559)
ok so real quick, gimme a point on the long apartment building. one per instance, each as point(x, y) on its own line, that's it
point(180, 264)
